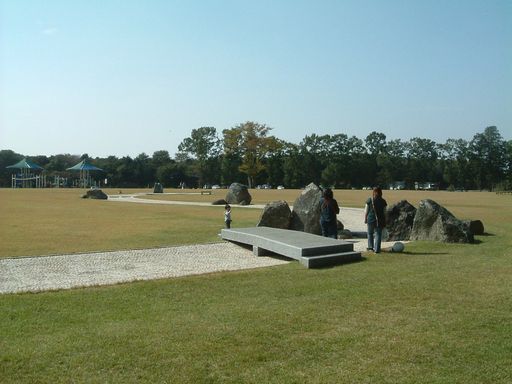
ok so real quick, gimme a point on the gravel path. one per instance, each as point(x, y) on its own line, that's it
point(33, 274)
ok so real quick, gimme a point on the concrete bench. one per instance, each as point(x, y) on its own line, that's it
point(310, 250)
point(206, 192)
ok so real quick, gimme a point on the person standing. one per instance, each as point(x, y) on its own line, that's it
point(375, 218)
point(227, 215)
point(329, 209)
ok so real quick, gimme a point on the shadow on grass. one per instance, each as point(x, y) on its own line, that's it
point(340, 263)
point(418, 253)
point(485, 234)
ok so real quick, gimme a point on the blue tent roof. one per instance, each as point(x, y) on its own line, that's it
point(25, 164)
point(84, 166)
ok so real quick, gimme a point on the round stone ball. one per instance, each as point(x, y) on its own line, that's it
point(398, 247)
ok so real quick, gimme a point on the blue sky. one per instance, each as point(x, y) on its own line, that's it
point(125, 77)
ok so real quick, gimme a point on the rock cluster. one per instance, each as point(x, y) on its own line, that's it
point(158, 188)
point(399, 219)
point(95, 194)
point(305, 216)
point(435, 223)
point(306, 211)
point(431, 222)
point(276, 214)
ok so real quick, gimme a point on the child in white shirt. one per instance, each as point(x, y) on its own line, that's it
point(227, 215)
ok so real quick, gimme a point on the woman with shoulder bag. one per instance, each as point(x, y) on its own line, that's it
point(375, 218)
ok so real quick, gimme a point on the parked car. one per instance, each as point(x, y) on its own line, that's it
point(280, 187)
point(215, 186)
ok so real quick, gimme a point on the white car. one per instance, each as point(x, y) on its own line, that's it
point(280, 187)
point(215, 186)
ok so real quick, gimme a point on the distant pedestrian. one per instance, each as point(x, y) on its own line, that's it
point(329, 209)
point(375, 218)
point(227, 215)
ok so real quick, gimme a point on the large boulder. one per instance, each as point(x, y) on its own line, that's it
point(306, 211)
point(435, 223)
point(238, 194)
point(399, 221)
point(476, 227)
point(276, 214)
point(95, 194)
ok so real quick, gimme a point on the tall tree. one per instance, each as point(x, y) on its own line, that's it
point(508, 166)
point(315, 151)
point(489, 157)
point(204, 145)
point(454, 155)
point(422, 155)
point(294, 172)
point(7, 157)
point(274, 163)
point(251, 142)
point(375, 143)
point(160, 158)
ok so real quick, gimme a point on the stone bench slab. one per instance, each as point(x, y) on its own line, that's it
point(311, 250)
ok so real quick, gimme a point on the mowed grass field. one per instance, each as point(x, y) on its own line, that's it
point(437, 313)
point(43, 222)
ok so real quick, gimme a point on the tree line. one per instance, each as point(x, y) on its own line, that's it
point(249, 154)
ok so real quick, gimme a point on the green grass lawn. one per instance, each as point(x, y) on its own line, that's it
point(58, 221)
point(438, 313)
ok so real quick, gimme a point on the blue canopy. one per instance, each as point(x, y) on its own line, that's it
point(84, 166)
point(25, 164)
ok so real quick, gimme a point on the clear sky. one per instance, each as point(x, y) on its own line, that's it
point(123, 77)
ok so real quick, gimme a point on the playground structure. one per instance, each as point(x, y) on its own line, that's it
point(26, 176)
point(85, 179)
point(28, 180)
point(30, 175)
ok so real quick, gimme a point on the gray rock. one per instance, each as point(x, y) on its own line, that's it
point(435, 223)
point(238, 194)
point(399, 221)
point(476, 227)
point(345, 234)
point(306, 211)
point(340, 225)
point(95, 194)
point(276, 214)
point(219, 202)
point(158, 188)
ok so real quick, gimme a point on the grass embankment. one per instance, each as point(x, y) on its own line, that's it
point(439, 313)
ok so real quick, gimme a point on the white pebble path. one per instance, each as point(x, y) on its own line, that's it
point(34, 274)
